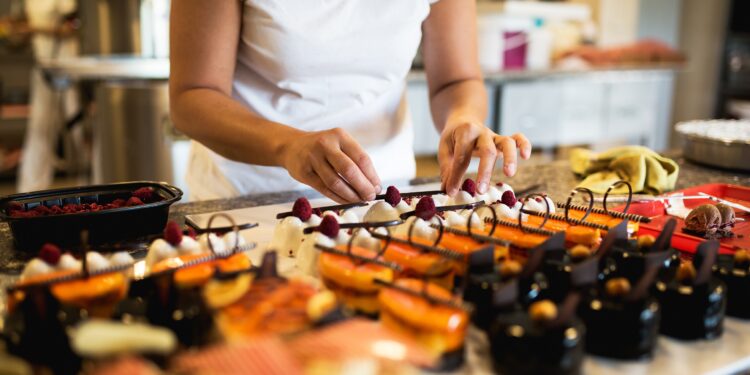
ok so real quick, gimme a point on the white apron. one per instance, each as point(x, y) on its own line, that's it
point(315, 65)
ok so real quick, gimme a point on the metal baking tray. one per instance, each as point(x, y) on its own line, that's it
point(723, 153)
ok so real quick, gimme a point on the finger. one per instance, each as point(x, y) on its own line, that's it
point(508, 147)
point(487, 152)
point(358, 155)
point(350, 171)
point(312, 179)
point(445, 159)
point(333, 181)
point(523, 144)
point(462, 148)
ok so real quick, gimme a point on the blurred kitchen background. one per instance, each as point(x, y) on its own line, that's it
point(565, 73)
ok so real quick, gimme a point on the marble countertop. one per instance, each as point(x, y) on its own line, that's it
point(555, 177)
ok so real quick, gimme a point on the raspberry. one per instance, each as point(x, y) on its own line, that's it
point(469, 186)
point(173, 233)
point(50, 253)
point(302, 209)
point(392, 196)
point(133, 201)
point(329, 226)
point(192, 233)
point(425, 209)
point(499, 184)
point(509, 199)
point(15, 206)
point(117, 203)
point(317, 211)
point(41, 210)
point(145, 194)
point(538, 199)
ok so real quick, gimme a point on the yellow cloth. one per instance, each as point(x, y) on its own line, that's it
point(645, 170)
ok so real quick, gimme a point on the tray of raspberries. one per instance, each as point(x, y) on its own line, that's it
point(110, 213)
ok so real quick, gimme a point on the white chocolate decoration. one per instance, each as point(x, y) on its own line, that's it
point(287, 235)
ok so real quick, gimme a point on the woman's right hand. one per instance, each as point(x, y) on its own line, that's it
point(333, 163)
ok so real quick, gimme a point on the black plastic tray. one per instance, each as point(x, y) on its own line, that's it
point(106, 226)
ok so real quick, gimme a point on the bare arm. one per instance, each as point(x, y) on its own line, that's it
point(459, 100)
point(204, 36)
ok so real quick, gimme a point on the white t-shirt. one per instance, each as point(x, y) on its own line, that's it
point(315, 65)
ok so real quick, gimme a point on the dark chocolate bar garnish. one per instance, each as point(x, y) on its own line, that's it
point(704, 259)
point(617, 233)
point(426, 248)
point(456, 207)
point(371, 224)
point(414, 194)
point(482, 261)
point(567, 309)
point(337, 207)
point(506, 294)
point(665, 237)
point(359, 258)
point(536, 255)
point(509, 224)
point(654, 262)
point(585, 273)
point(429, 298)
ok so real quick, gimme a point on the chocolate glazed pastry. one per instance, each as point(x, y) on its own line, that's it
point(546, 339)
point(734, 270)
point(36, 332)
point(622, 319)
point(629, 257)
point(694, 302)
point(704, 221)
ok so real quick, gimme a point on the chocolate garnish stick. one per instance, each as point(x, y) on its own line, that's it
point(447, 253)
point(704, 259)
point(456, 207)
point(413, 194)
point(394, 266)
point(558, 217)
point(372, 224)
point(654, 262)
point(509, 224)
point(475, 236)
point(614, 214)
point(337, 207)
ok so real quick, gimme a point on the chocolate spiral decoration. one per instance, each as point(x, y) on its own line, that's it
point(521, 212)
point(475, 211)
point(570, 199)
point(613, 186)
point(235, 229)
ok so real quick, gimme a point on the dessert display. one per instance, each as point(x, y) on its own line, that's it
point(429, 314)
point(694, 302)
point(138, 197)
point(734, 271)
point(711, 221)
point(398, 281)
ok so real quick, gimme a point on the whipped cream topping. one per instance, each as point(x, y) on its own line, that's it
point(94, 262)
point(460, 219)
point(539, 206)
point(307, 257)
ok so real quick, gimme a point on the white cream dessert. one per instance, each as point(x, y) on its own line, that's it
point(494, 193)
point(50, 260)
point(287, 235)
point(460, 219)
point(388, 209)
point(176, 244)
point(327, 234)
point(537, 204)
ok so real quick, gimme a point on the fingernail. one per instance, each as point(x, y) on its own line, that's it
point(482, 187)
point(510, 169)
point(452, 191)
point(378, 189)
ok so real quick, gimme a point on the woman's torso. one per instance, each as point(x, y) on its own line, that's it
point(315, 65)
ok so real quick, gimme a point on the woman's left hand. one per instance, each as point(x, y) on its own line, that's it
point(462, 140)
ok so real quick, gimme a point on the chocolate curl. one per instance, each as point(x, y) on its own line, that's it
point(704, 259)
point(570, 200)
point(536, 255)
point(505, 295)
point(665, 237)
point(521, 211)
point(615, 185)
point(234, 227)
point(619, 232)
point(654, 261)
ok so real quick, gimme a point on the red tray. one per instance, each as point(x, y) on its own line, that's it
point(687, 243)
